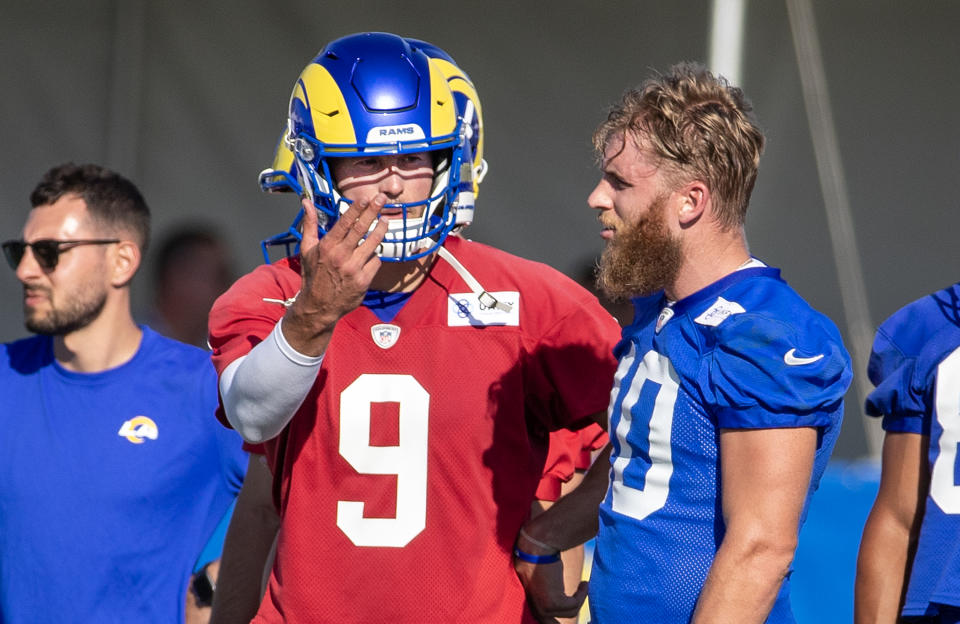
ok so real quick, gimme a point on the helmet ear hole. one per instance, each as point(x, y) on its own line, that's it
point(441, 161)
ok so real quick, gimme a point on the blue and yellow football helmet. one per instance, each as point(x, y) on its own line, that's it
point(471, 117)
point(373, 93)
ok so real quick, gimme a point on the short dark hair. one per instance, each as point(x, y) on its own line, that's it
point(112, 200)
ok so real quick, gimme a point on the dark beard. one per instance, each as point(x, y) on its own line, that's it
point(61, 322)
point(643, 258)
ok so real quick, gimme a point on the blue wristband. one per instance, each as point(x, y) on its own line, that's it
point(522, 556)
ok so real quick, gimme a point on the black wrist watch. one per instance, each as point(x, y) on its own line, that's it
point(202, 587)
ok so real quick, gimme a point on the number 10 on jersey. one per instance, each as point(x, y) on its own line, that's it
point(643, 432)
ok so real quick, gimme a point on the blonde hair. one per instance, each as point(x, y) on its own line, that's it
point(698, 127)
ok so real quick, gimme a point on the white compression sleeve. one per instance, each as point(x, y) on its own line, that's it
point(263, 389)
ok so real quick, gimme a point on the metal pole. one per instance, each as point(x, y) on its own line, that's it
point(836, 200)
point(726, 39)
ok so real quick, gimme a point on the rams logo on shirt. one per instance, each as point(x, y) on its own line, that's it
point(138, 428)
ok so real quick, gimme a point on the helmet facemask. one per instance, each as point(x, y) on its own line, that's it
point(407, 237)
point(372, 94)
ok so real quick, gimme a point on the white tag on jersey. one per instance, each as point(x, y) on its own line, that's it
point(464, 309)
point(719, 311)
point(385, 335)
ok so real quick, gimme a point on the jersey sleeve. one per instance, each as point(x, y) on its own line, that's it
point(764, 372)
point(570, 368)
point(564, 447)
point(592, 438)
point(246, 314)
point(895, 396)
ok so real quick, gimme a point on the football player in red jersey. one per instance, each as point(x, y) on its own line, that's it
point(401, 381)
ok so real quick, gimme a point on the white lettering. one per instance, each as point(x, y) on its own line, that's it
point(386, 134)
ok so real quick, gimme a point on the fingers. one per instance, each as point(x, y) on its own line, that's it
point(368, 252)
point(354, 224)
point(351, 241)
point(353, 235)
point(309, 235)
point(581, 593)
point(544, 587)
point(566, 606)
point(371, 243)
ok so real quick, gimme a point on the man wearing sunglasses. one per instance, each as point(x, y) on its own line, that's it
point(114, 473)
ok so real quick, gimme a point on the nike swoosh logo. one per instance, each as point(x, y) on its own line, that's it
point(793, 360)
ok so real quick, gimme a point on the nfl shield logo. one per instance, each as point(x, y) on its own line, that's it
point(665, 315)
point(385, 335)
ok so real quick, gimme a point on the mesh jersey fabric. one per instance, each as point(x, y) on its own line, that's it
point(96, 525)
point(453, 414)
point(915, 366)
point(716, 359)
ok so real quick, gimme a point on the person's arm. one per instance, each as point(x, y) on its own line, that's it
point(765, 475)
point(572, 558)
point(336, 272)
point(890, 534)
point(263, 389)
point(246, 549)
point(570, 522)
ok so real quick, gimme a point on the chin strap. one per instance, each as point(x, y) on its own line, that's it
point(486, 299)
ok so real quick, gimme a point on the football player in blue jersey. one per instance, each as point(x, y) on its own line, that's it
point(729, 393)
point(909, 563)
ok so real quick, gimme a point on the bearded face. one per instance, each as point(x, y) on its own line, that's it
point(642, 258)
point(64, 310)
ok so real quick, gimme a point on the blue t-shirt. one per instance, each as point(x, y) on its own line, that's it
point(915, 366)
point(112, 482)
point(744, 352)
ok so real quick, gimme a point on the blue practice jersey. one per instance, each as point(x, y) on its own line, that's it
point(112, 482)
point(745, 352)
point(915, 366)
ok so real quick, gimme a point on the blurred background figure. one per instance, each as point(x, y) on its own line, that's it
point(192, 268)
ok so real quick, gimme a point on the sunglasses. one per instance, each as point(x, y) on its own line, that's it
point(46, 250)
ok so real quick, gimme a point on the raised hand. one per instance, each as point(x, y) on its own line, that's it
point(336, 271)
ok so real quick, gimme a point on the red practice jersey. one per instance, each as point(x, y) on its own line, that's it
point(592, 438)
point(405, 475)
point(569, 451)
